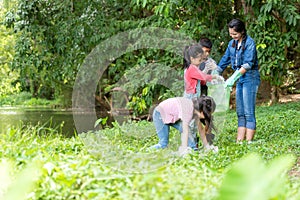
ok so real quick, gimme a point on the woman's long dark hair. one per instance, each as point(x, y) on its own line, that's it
point(238, 26)
point(207, 105)
point(191, 51)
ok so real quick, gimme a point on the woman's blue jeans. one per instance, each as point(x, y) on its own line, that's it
point(246, 90)
point(163, 130)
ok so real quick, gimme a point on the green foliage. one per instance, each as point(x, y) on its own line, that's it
point(19, 185)
point(17, 99)
point(85, 167)
point(102, 121)
point(52, 43)
point(8, 78)
point(151, 81)
point(249, 178)
point(25, 99)
point(276, 32)
point(42, 44)
point(54, 37)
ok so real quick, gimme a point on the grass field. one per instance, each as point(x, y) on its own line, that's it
point(39, 163)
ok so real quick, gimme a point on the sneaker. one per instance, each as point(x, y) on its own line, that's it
point(239, 141)
point(156, 146)
point(195, 149)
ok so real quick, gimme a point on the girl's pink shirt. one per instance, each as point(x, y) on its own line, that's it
point(191, 77)
point(177, 108)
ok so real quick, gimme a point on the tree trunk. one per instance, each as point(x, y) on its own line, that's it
point(237, 5)
point(247, 8)
point(274, 95)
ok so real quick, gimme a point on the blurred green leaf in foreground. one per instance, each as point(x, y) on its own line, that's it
point(19, 187)
point(250, 178)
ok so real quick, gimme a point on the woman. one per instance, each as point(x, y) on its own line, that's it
point(241, 54)
point(178, 112)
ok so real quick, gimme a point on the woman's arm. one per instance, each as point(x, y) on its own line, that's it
point(250, 55)
point(225, 60)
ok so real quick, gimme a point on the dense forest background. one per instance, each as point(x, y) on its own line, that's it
point(43, 43)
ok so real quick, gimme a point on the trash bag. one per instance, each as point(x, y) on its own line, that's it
point(220, 94)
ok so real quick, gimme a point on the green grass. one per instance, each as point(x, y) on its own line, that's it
point(115, 164)
point(26, 99)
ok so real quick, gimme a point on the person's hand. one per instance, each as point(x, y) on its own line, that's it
point(182, 151)
point(218, 78)
point(211, 148)
point(215, 72)
point(229, 82)
point(235, 76)
point(210, 65)
point(214, 148)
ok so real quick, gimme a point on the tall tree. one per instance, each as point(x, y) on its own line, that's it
point(54, 37)
point(8, 78)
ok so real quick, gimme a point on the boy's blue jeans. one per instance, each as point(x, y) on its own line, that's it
point(163, 131)
point(246, 90)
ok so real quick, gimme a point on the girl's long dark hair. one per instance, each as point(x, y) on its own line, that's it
point(191, 51)
point(207, 105)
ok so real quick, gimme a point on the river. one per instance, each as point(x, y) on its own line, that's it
point(60, 119)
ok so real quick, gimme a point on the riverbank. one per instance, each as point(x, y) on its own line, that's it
point(25, 99)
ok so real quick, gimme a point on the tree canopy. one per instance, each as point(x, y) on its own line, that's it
point(53, 37)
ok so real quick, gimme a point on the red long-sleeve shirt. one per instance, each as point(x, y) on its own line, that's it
point(191, 77)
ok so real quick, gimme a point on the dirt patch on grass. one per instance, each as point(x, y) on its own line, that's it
point(289, 98)
point(295, 171)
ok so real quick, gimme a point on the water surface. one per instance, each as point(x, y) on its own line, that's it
point(24, 116)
